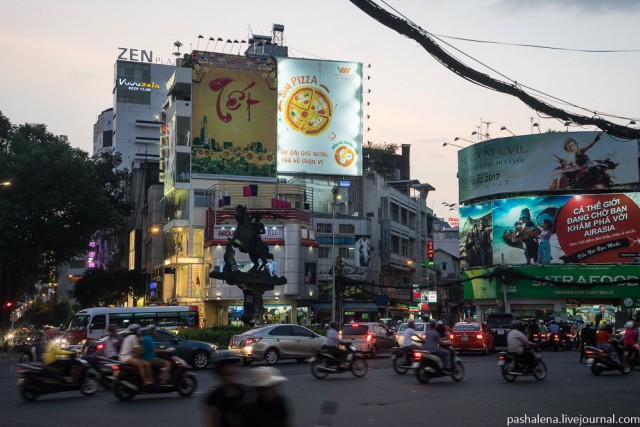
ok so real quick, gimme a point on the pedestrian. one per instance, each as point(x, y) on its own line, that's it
point(588, 338)
point(224, 405)
point(270, 408)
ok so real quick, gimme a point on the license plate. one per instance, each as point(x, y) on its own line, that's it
point(500, 362)
point(464, 338)
point(414, 365)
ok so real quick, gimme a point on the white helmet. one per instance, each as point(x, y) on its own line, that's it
point(629, 324)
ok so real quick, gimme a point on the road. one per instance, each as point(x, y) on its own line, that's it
point(381, 398)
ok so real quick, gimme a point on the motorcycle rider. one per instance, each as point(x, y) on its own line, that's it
point(432, 342)
point(631, 339)
point(112, 343)
point(333, 342)
point(603, 341)
point(150, 351)
point(587, 337)
point(519, 345)
point(407, 334)
point(58, 360)
point(131, 353)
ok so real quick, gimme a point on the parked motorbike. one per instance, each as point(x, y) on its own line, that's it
point(128, 382)
point(431, 366)
point(403, 359)
point(324, 363)
point(599, 361)
point(513, 368)
point(36, 380)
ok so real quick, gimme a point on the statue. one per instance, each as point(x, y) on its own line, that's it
point(258, 280)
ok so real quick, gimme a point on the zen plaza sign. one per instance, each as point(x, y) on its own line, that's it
point(142, 55)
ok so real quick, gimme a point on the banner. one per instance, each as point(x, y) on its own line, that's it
point(233, 129)
point(319, 117)
point(550, 162)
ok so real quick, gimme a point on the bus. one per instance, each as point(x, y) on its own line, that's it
point(92, 323)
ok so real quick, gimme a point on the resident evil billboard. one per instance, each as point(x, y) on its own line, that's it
point(567, 229)
point(550, 162)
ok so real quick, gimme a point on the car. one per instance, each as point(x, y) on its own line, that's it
point(371, 338)
point(472, 336)
point(499, 325)
point(273, 343)
point(198, 354)
point(420, 328)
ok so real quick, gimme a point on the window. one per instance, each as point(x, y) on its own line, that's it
point(99, 322)
point(324, 252)
point(444, 266)
point(77, 264)
point(168, 319)
point(404, 247)
point(188, 318)
point(346, 228)
point(325, 228)
point(281, 331)
point(123, 320)
point(395, 244)
point(299, 331)
point(395, 212)
point(203, 198)
point(144, 319)
point(347, 252)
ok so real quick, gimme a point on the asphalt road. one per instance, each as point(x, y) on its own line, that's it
point(381, 398)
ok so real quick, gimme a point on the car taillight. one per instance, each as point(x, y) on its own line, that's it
point(417, 355)
point(252, 341)
point(369, 337)
point(479, 336)
point(99, 346)
point(451, 337)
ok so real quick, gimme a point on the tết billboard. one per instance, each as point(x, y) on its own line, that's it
point(319, 117)
point(567, 229)
point(550, 162)
point(233, 128)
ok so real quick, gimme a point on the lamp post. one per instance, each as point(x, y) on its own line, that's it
point(457, 138)
point(505, 128)
point(336, 196)
point(444, 144)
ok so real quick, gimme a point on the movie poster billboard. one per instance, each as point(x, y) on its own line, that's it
point(550, 162)
point(233, 128)
point(568, 229)
point(475, 231)
point(363, 251)
point(319, 117)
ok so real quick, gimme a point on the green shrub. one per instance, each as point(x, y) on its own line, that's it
point(218, 335)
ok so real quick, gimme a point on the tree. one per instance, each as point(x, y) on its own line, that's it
point(102, 287)
point(55, 204)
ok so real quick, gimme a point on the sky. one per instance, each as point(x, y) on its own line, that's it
point(59, 59)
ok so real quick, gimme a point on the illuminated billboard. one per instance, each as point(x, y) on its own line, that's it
point(319, 117)
point(567, 229)
point(550, 162)
point(233, 129)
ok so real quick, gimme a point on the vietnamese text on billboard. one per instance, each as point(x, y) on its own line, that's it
point(233, 115)
point(319, 117)
point(550, 162)
point(567, 229)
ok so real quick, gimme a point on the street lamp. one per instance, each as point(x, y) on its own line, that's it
point(444, 144)
point(5, 184)
point(457, 138)
point(336, 196)
point(505, 128)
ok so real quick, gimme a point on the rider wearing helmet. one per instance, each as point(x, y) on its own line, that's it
point(631, 339)
point(224, 405)
point(131, 353)
point(432, 342)
point(519, 345)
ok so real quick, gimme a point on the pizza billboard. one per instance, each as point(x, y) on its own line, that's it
point(233, 128)
point(563, 229)
point(319, 122)
point(550, 162)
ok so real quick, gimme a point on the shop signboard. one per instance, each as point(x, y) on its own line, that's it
point(547, 163)
point(581, 281)
point(233, 128)
point(319, 117)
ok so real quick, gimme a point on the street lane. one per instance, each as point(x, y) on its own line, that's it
point(381, 398)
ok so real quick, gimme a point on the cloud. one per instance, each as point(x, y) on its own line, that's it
point(80, 76)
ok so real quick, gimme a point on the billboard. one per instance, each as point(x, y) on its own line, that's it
point(550, 162)
point(563, 229)
point(319, 120)
point(233, 129)
point(589, 281)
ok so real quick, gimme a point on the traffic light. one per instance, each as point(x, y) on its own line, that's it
point(8, 304)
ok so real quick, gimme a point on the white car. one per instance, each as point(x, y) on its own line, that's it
point(420, 328)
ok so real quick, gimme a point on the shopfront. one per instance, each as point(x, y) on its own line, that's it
point(566, 292)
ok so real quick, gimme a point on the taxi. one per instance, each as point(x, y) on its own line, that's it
point(472, 336)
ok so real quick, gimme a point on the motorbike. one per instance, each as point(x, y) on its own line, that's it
point(403, 359)
point(324, 363)
point(600, 360)
point(93, 353)
point(36, 380)
point(431, 366)
point(597, 174)
point(128, 382)
point(512, 368)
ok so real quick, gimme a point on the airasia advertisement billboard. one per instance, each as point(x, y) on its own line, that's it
point(319, 117)
point(550, 162)
point(568, 229)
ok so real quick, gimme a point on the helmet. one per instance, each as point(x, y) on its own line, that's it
point(440, 322)
point(223, 358)
point(151, 328)
point(629, 324)
point(134, 328)
point(515, 324)
point(541, 321)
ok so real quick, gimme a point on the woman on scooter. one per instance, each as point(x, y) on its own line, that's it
point(631, 339)
point(603, 342)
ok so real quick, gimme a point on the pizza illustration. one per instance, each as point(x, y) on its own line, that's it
point(308, 110)
point(344, 156)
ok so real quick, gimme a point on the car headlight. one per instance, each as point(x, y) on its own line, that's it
point(213, 347)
